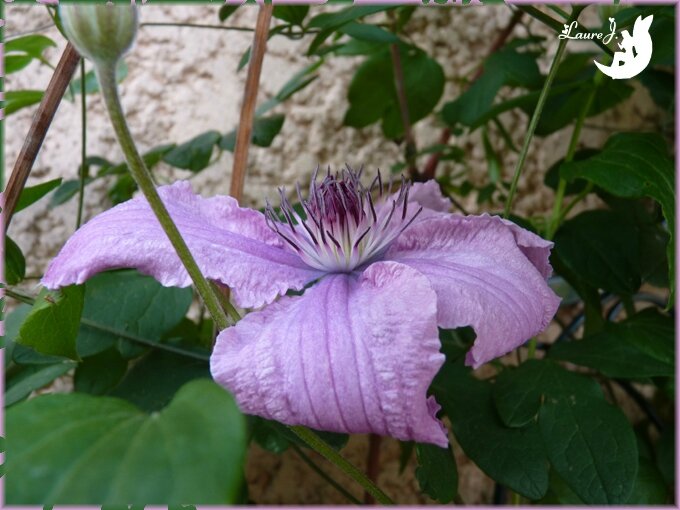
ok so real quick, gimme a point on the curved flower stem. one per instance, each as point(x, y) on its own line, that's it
point(83, 142)
point(323, 448)
point(533, 123)
point(106, 75)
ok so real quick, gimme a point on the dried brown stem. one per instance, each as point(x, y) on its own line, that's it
point(36, 134)
point(431, 165)
point(410, 150)
point(245, 126)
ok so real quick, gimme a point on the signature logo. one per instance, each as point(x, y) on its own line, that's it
point(636, 48)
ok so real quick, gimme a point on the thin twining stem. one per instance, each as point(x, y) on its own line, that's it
point(225, 27)
point(323, 448)
point(106, 75)
point(307, 460)
point(83, 144)
point(534, 119)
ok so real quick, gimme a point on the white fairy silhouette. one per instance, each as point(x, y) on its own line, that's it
point(636, 54)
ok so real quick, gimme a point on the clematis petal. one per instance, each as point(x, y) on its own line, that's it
point(483, 278)
point(356, 353)
point(429, 195)
point(232, 245)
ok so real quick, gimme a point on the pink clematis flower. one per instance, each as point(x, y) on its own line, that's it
point(357, 351)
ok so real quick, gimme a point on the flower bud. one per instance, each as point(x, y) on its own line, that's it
point(100, 32)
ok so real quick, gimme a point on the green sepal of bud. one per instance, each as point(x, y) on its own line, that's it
point(101, 32)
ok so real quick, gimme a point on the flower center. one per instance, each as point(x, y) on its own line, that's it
point(342, 226)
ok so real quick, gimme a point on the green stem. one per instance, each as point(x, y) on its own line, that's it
point(324, 475)
point(83, 144)
point(557, 216)
point(533, 123)
point(531, 353)
point(106, 75)
point(584, 192)
point(324, 449)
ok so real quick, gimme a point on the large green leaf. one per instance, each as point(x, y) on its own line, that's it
point(589, 442)
point(155, 379)
point(372, 94)
point(80, 449)
point(124, 304)
point(99, 374)
point(31, 194)
point(641, 346)
point(602, 248)
point(514, 457)
point(634, 165)
point(195, 154)
point(52, 326)
point(437, 473)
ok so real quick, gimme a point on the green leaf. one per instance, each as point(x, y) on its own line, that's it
point(21, 51)
point(15, 263)
point(12, 323)
point(552, 176)
point(14, 63)
point(100, 373)
point(293, 14)
point(123, 304)
point(640, 346)
point(66, 191)
point(517, 396)
point(367, 32)
point(649, 488)
point(123, 189)
point(264, 131)
point(508, 67)
point(603, 248)
point(33, 45)
point(268, 436)
point(52, 325)
point(31, 194)
point(15, 100)
point(634, 165)
point(437, 473)
point(372, 94)
point(195, 154)
point(589, 442)
point(514, 457)
point(333, 20)
point(33, 378)
point(80, 449)
point(155, 379)
point(227, 10)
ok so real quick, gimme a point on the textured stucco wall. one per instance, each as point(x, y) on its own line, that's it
point(183, 81)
